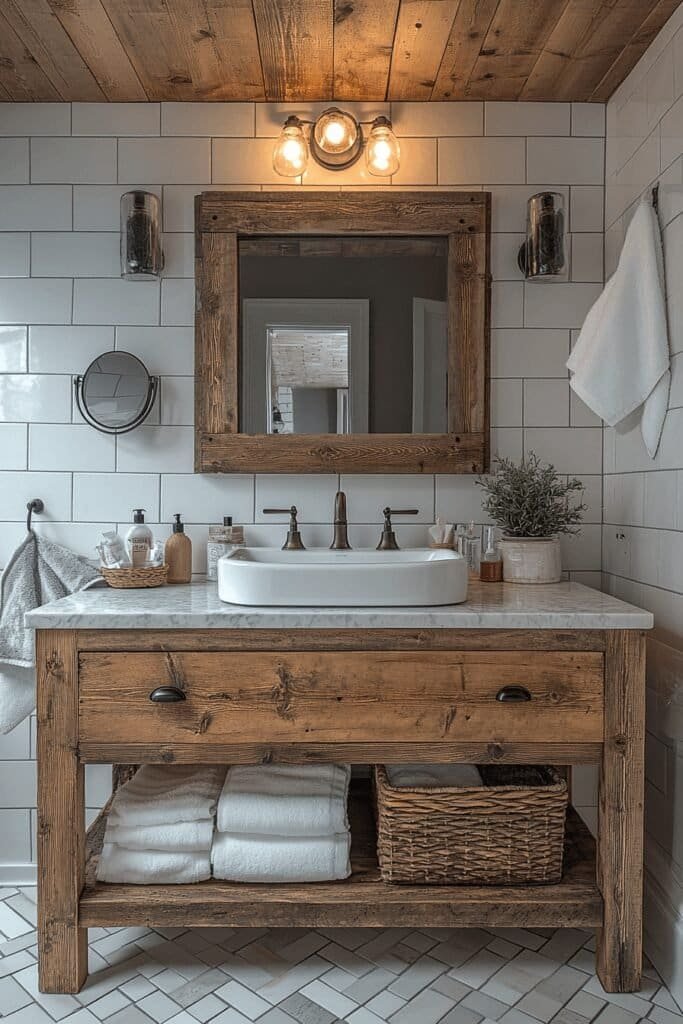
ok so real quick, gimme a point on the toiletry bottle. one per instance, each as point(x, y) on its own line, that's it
point(491, 565)
point(473, 549)
point(179, 554)
point(139, 540)
point(217, 546)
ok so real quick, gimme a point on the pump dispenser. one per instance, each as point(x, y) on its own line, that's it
point(139, 539)
point(178, 553)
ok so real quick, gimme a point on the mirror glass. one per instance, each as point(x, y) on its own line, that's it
point(344, 335)
point(115, 390)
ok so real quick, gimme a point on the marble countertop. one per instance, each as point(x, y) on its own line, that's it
point(197, 606)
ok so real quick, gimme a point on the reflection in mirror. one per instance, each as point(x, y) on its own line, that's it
point(343, 335)
point(116, 393)
point(308, 380)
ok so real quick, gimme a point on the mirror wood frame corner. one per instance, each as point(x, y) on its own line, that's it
point(223, 218)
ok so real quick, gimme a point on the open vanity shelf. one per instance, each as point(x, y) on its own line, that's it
point(361, 900)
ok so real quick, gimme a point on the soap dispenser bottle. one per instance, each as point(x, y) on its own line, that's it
point(139, 539)
point(178, 554)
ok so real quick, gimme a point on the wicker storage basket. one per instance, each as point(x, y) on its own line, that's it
point(510, 831)
point(130, 579)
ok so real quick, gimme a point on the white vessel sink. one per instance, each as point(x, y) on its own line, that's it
point(360, 578)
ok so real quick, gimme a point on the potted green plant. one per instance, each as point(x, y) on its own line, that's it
point(532, 505)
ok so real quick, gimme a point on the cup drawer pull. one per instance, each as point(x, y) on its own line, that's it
point(166, 695)
point(513, 695)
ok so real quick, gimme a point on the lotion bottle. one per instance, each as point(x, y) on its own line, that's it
point(178, 554)
point(139, 539)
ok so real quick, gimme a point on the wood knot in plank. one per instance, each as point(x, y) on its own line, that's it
point(282, 694)
point(342, 12)
point(204, 723)
point(495, 751)
point(449, 718)
point(619, 742)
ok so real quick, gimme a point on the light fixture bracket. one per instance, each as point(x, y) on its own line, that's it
point(336, 161)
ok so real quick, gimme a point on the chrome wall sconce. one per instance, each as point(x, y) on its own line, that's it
point(142, 258)
point(335, 141)
point(542, 255)
point(116, 393)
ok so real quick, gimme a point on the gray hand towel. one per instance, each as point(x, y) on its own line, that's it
point(38, 572)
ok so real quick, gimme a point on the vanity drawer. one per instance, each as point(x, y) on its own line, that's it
point(340, 697)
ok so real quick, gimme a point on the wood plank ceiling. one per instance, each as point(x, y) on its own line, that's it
point(297, 50)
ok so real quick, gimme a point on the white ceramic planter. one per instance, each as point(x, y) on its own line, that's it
point(531, 559)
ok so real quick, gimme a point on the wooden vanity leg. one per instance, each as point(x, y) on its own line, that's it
point(62, 945)
point(620, 826)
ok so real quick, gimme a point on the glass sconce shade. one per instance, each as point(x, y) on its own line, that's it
point(382, 153)
point(543, 256)
point(290, 155)
point(141, 254)
point(336, 139)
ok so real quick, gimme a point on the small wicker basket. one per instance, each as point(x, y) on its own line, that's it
point(510, 831)
point(130, 578)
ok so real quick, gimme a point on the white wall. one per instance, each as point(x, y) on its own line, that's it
point(643, 515)
point(62, 170)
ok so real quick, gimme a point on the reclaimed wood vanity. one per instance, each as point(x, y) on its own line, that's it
point(354, 685)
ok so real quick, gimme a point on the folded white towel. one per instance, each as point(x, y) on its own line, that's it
point(434, 775)
point(621, 359)
point(261, 858)
point(151, 867)
point(180, 837)
point(167, 794)
point(285, 799)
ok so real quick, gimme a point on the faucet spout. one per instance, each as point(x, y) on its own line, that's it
point(341, 540)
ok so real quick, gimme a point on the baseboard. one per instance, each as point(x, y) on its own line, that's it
point(18, 874)
point(663, 935)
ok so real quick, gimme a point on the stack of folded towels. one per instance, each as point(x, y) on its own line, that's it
point(283, 823)
point(160, 826)
point(434, 776)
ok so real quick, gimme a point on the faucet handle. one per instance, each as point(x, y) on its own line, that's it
point(293, 541)
point(387, 541)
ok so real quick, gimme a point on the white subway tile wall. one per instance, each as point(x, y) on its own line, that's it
point(643, 522)
point(62, 171)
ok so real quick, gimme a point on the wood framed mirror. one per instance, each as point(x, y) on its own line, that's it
point(301, 368)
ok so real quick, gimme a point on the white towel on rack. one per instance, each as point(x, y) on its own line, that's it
point(434, 775)
point(167, 794)
point(262, 858)
point(151, 867)
point(179, 837)
point(621, 359)
point(285, 799)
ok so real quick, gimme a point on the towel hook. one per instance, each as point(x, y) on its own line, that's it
point(36, 505)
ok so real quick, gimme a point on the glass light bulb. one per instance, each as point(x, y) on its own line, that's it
point(334, 132)
point(382, 153)
point(290, 155)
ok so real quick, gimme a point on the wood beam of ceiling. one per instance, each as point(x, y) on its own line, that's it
point(306, 50)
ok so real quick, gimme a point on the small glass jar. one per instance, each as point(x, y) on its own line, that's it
point(491, 565)
point(141, 255)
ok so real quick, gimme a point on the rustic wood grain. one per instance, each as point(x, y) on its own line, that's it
point(325, 50)
point(222, 48)
point(469, 293)
point(44, 37)
point(343, 639)
point(62, 943)
point(515, 38)
point(93, 35)
point(361, 900)
point(620, 826)
point(341, 697)
point(462, 49)
point(343, 246)
point(363, 39)
point(499, 752)
point(20, 75)
point(216, 381)
point(343, 213)
point(296, 41)
point(336, 453)
point(156, 51)
point(422, 31)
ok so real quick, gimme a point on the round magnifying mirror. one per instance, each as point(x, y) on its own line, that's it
point(116, 392)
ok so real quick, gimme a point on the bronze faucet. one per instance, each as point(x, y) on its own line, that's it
point(341, 540)
point(387, 541)
point(293, 541)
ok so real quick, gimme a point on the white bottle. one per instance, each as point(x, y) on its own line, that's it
point(139, 540)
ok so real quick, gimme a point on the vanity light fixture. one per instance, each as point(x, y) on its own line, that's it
point(142, 258)
point(542, 256)
point(336, 142)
